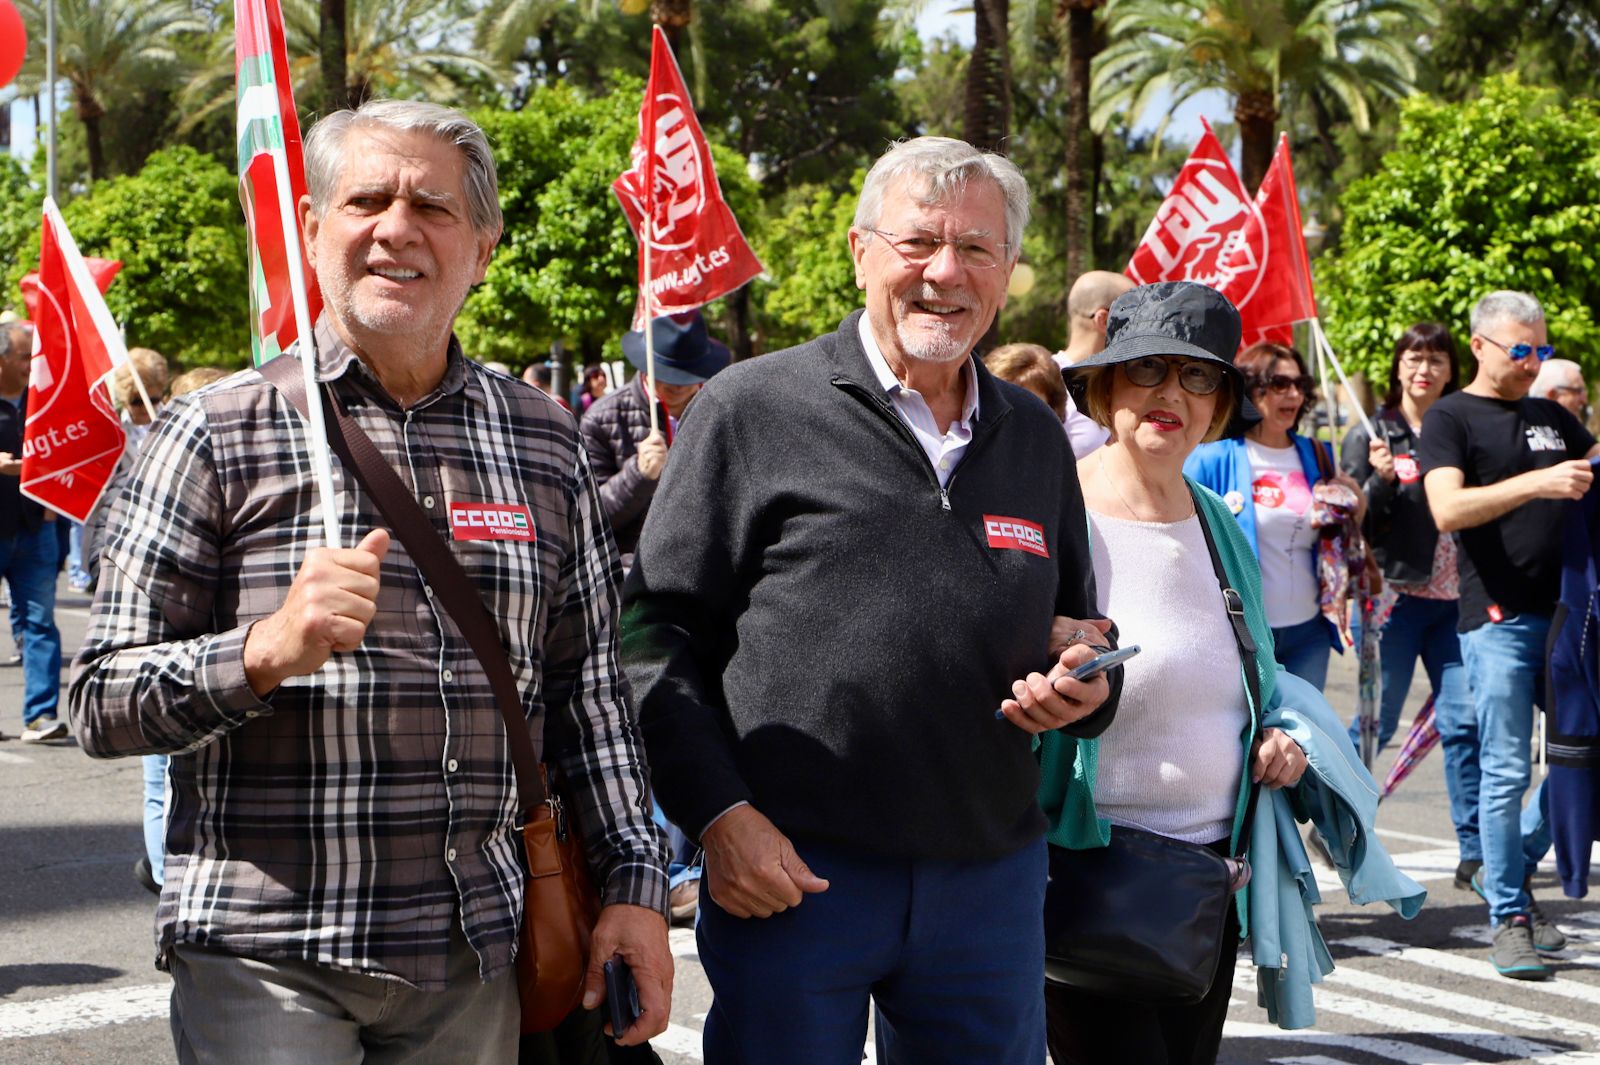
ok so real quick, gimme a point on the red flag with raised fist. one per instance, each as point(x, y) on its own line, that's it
point(696, 251)
point(1265, 271)
point(72, 438)
point(1195, 224)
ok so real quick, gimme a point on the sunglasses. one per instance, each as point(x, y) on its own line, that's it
point(1518, 352)
point(1282, 382)
point(1196, 378)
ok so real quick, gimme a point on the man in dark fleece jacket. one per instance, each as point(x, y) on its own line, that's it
point(863, 577)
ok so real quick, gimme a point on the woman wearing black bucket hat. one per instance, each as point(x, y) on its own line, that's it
point(1173, 762)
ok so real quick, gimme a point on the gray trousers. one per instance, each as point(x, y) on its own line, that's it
point(228, 1010)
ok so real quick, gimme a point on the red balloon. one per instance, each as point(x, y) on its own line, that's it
point(13, 42)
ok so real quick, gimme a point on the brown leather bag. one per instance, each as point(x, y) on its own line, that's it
point(560, 904)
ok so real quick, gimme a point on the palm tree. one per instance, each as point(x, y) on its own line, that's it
point(1079, 169)
point(1266, 55)
point(101, 45)
point(986, 116)
point(385, 55)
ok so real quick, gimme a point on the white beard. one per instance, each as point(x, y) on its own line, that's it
point(937, 345)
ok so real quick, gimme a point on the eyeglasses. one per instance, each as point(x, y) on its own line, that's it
point(1282, 382)
point(1412, 360)
point(1196, 378)
point(923, 247)
point(1518, 352)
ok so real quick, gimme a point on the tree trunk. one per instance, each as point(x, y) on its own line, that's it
point(90, 113)
point(1079, 161)
point(332, 42)
point(1257, 115)
point(739, 339)
point(673, 16)
point(986, 115)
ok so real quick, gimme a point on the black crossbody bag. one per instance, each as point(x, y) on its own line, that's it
point(1145, 916)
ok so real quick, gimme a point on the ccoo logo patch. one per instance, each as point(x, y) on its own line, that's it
point(1015, 534)
point(491, 521)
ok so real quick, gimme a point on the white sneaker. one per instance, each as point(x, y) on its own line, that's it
point(44, 729)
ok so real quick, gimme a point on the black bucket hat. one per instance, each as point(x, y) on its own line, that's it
point(685, 352)
point(1181, 318)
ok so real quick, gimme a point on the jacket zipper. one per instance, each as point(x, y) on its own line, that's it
point(881, 403)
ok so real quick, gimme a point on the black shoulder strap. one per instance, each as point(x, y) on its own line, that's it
point(1233, 602)
point(447, 581)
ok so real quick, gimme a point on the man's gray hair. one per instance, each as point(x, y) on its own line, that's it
point(16, 339)
point(1554, 374)
point(325, 151)
point(942, 166)
point(1506, 306)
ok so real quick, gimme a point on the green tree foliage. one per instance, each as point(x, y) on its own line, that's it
point(1499, 192)
point(1549, 42)
point(1268, 56)
point(810, 281)
point(20, 203)
point(566, 268)
point(177, 228)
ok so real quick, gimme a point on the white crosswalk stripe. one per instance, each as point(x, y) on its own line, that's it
point(88, 1009)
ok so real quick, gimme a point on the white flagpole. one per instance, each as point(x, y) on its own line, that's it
point(649, 321)
point(1327, 349)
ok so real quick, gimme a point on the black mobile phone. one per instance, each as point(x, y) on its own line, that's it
point(622, 995)
point(1102, 662)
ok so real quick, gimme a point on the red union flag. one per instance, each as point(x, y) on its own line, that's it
point(269, 146)
point(72, 439)
point(1192, 229)
point(1265, 271)
point(696, 250)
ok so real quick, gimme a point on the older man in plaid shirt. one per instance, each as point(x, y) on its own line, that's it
point(343, 871)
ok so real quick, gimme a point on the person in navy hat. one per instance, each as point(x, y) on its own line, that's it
point(626, 456)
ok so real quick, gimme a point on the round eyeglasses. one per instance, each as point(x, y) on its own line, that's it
point(1196, 378)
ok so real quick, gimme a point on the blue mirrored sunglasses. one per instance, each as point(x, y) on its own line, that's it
point(1518, 352)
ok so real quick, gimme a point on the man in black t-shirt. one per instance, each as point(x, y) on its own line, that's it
point(1497, 466)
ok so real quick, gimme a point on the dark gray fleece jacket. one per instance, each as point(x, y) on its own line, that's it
point(813, 626)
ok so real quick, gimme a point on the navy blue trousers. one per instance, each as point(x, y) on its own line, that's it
point(952, 954)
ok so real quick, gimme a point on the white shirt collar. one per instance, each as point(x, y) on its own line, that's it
point(891, 384)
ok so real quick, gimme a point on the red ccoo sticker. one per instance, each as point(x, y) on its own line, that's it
point(1014, 534)
point(491, 521)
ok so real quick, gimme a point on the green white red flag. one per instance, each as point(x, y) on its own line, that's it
point(691, 250)
point(72, 438)
point(269, 148)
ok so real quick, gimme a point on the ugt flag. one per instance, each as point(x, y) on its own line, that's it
point(268, 130)
point(72, 439)
point(1265, 271)
point(1195, 225)
point(696, 250)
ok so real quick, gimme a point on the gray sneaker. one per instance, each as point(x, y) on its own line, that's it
point(1514, 954)
point(43, 730)
point(1547, 938)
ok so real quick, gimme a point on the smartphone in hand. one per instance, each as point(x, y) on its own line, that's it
point(622, 995)
point(1102, 662)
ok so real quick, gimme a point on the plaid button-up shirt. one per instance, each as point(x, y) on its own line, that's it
point(350, 816)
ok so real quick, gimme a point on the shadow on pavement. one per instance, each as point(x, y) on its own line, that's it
point(53, 974)
point(64, 868)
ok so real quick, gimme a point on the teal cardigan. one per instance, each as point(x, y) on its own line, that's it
point(1069, 765)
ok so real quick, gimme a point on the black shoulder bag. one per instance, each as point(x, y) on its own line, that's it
point(1145, 917)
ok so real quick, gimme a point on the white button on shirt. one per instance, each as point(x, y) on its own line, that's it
point(944, 450)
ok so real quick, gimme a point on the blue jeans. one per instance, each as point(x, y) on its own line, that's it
point(1303, 650)
point(28, 561)
point(681, 864)
point(952, 953)
point(75, 567)
point(155, 813)
point(1505, 667)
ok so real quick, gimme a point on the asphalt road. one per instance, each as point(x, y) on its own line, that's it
point(78, 986)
